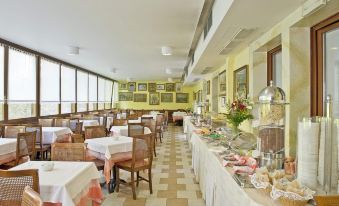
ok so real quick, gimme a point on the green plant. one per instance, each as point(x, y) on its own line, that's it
point(239, 111)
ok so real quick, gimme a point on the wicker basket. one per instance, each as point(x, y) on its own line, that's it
point(266, 191)
point(284, 201)
point(260, 187)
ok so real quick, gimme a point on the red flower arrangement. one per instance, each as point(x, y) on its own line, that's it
point(239, 111)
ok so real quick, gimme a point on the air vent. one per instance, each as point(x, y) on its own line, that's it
point(239, 36)
point(207, 70)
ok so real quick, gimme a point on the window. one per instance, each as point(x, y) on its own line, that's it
point(115, 93)
point(101, 93)
point(208, 25)
point(274, 66)
point(93, 92)
point(67, 90)
point(108, 93)
point(49, 88)
point(2, 82)
point(82, 91)
point(21, 85)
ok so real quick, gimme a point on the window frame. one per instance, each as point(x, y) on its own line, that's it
point(270, 56)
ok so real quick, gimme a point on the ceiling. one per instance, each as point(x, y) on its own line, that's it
point(126, 35)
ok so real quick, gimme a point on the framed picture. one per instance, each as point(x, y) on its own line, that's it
point(131, 86)
point(181, 98)
point(178, 87)
point(167, 97)
point(223, 102)
point(222, 83)
point(140, 97)
point(122, 86)
point(170, 87)
point(160, 87)
point(208, 89)
point(199, 96)
point(194, 96)
point(152, 87)
point(142, 86)
point(240, 86)
point(125, 96)
point(154, 98)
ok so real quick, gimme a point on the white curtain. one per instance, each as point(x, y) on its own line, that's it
point(49, 85)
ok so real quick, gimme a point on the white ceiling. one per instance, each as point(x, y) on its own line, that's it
point(125, 34)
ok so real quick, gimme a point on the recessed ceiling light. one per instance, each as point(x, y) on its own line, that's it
point(334, 48)
point(166, 51)
point(114, 70)
point(73, 50)
point(169, 71)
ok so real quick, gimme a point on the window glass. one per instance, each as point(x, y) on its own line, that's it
point(101, 93)
point(67, 89)
point(21, 85)
point(82, 91)
point(115, 93)
point(93, 92)
point(108, 93)
point(49, 88)
point(277, 68)
point(2, 82)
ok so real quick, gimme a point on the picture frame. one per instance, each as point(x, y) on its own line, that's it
point(123, 86)
point(208, 89)
point(167, 97)
point(170, 87)
point(240, 83)
point(125, 96)
point(152, 87)
point(181, 98)
point(223, 101)
point(154, 98)
point(131, 86)
point(140, 97)
point(178, 87)
point(160, 86)
point(222, 83)
point(194, 96)
point(142, 86)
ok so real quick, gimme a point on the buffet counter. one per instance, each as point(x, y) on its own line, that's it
point(216, 182)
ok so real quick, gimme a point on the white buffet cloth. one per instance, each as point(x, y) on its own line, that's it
point(7, 145)
point(110, 145)
point(185, 124)
point(51, 134)
point(123, 130)
point(216, 182)
point(65, 182)
point(180, 114)
point(88, 122)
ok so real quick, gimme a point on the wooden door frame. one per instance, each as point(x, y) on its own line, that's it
point(270, 55)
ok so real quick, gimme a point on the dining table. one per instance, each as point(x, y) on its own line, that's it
point(8, 150)
point(111, 150)
point(123, 130)
point(51, 135)
point(88, 122)
point(68, 183)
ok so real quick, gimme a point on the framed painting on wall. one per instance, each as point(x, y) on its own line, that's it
point(167, 97)
point(131, 86)
point(125, 96)
point(140, 97)
point(222, 83)
point(170, 87)
point(152, 87)
point(160, 86)
point(181, 98)
point(178, 87)
point(142, 87)
point(240, 84)
point(123, 86)
point(194, 96)
point(208, 90)
point(154, 98)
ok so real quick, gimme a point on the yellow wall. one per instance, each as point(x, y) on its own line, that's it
point(146, 106)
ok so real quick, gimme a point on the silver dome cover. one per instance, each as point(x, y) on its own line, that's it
point(272, 94)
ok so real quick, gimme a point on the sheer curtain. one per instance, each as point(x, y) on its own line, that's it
point(1, 82)
point(101, 93)
point(108, 93)
point(82, 91)
point(93, 92)
point(21, 84)
point(49, 87)
point(67, 89)
point(115, 94)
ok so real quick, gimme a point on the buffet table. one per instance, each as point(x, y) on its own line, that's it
point(216, 181)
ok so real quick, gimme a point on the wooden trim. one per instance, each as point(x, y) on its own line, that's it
point(6, 84)
point(37, 85)
point(317, 76)
point(59, 89)
point(270, 55)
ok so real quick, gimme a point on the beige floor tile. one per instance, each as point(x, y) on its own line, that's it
point(187, 194)
point(196, 202)
point(167, 194)
point(177, 202)
point(156, 202)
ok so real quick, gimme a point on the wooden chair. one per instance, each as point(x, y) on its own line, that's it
point(152, 127)
point(135, 129)
point(141, 160)
point(120, 122)
point(62, 123)
point(327, 200)
point(68, 152)
point(46, 122)
point(159, 127)
point(78, 116)
point(165, 120)
point(40, 148)
point(30, 139)
point(12, 131)
point(31, 198)
point(146, 120)
point(13, 184)
point(133, 116)
point(77, 138)
point(95, 132)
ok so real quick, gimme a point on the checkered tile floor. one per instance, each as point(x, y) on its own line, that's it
point(173, 178)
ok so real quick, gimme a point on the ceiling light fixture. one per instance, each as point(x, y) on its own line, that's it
point(114, 70)
point(73, 50)
point(169, 71)
point(335, 48)
point(166, 51)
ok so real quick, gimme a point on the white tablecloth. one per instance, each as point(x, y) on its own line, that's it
point(154, 116)
point(51, 134)
point(123, 130)
point(216, 182)
point(110, 145)
point(88, 122)
point(135, 120)
point(7, 145)
point(109, 122)
point(65, 182)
